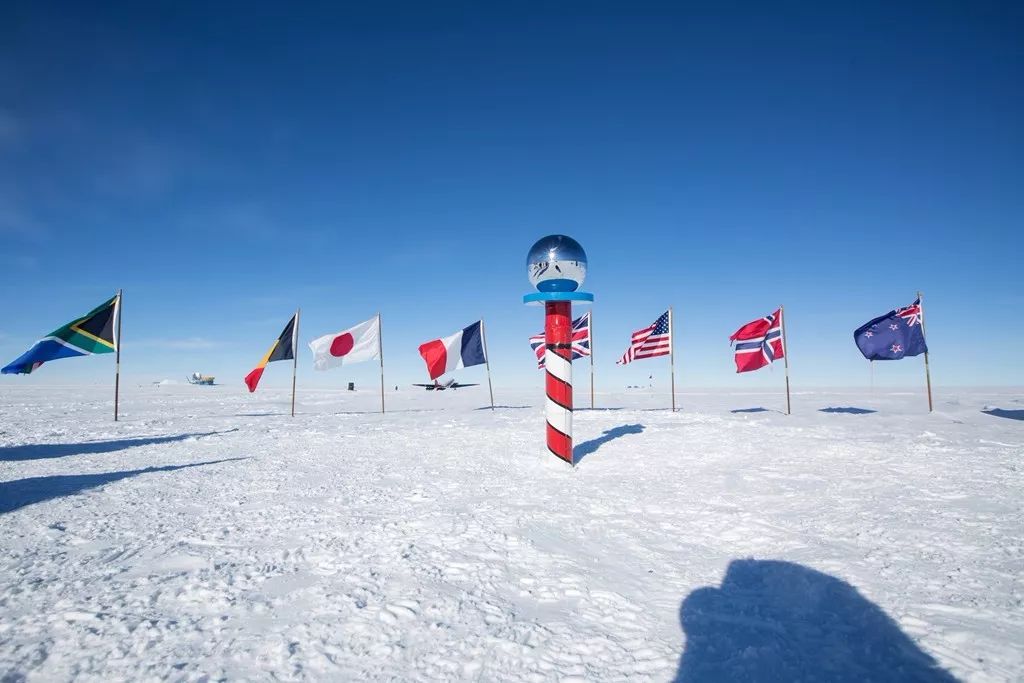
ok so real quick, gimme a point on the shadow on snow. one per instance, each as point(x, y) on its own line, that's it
point(21, 492)
point(1009, 414)
point(779, 621)
point(752, 410)
point(848, 409)
point(587, 447)
point(390, 410)
point(59, 450)
point(502, 407)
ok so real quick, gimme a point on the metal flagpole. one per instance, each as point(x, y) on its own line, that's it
point(785, 356)
point(672, 355)
point(295, 355)
point(590, 325)
point(927, 371)
point(487, 362)
point(117, 361)
point(380, 354)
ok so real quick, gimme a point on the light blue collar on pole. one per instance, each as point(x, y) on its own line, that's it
point(538, 298)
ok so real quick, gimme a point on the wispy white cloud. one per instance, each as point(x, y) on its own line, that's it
point(252, 219)
point(17, 221)
point(11, 130)
point(184, 344)
point(140, 166)
point(19, 261)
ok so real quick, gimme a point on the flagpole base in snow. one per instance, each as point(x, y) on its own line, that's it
point(557, 266)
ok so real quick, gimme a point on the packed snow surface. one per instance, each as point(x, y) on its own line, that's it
point(209, 535)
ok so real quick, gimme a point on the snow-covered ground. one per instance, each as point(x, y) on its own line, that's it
point(210, 535)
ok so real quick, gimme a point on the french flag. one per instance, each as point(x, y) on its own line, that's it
point(460, 350)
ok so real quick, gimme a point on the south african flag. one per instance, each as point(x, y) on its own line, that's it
point(95, 332)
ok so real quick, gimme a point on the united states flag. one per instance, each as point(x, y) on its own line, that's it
point(649, 342)
point(580, 340)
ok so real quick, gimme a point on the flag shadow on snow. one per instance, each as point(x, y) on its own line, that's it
point(502, 407)
point(1008, 414)
point(392, 410)
point(780, 621)
point(754, 410)
point(587, 447)
point(850, 410)
point(43, 451)
point(21, 492)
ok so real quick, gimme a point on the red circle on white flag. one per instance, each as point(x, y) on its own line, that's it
point(342, 344)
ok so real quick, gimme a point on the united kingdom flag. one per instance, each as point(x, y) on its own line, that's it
point(580, 340)
point(911, 314)
point(759, 342)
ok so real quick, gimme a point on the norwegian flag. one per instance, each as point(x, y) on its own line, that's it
point(759, 342)
point(654, 340)
point(580, 340)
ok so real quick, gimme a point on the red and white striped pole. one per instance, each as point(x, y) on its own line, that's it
point(557, 266)
point(558, 363)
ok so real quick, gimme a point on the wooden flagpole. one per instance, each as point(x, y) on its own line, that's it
point(672, 354)
point(380, 354)
point(785, 356)
point(590, 332)
point(295, 355)
point(487, 362)
point(927, 371)
point(117, 360)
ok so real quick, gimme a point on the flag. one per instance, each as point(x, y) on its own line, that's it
point(460, 350)
point(759, 343)
point(282, 349)
point(93, 333)
point(655, 340)
point(895, 335)
point(580, 340)
point(354, 345)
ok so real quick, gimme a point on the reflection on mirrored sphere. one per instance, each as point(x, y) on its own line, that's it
point(556, 263)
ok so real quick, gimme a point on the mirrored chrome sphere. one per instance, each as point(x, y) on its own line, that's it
point(557, 263)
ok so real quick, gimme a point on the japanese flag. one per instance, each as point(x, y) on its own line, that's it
point(354, 345)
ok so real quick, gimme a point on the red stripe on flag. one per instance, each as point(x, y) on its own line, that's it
point(436, 357)
point(745, 362)
point(253, 378)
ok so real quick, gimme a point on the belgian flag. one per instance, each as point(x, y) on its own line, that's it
point(283, 349)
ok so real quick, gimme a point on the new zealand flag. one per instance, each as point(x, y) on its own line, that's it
point(893, 336)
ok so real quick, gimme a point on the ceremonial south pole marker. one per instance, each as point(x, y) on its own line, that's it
point(557, 266)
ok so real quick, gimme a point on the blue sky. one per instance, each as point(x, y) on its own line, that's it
point(227, 162)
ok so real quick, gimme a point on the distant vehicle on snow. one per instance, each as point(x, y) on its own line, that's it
point(450, 384)
point(197, 378)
